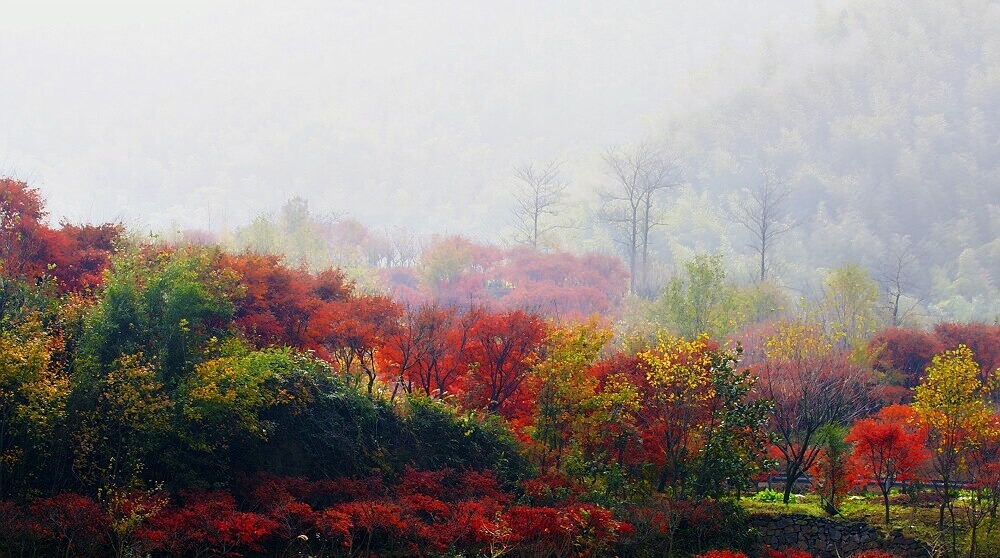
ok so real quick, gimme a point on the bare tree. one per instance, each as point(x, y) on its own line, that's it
point(895, 272)
point(638, 174)
point(537, 199)
point(763, 212)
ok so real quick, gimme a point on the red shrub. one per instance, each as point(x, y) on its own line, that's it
point(335, 526)
point(722, 554)
point(207, 523)
point(76, 523)
point(373, 524)
point(19, 533)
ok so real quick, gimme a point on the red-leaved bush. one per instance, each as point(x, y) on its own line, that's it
point(206, 523)
point(722, 554)
point(75, 523)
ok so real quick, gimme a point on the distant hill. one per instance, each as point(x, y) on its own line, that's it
point(887, 129)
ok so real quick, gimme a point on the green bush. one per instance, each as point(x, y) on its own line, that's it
point(768, 495)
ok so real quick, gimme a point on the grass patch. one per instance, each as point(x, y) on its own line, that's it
point(799, 504)
point(915, 519)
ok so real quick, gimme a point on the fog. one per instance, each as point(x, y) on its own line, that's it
point(877, 118)
point(202, 114)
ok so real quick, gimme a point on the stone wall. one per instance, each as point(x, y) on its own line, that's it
point(829, 538)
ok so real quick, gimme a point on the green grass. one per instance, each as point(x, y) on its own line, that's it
point(918, 521)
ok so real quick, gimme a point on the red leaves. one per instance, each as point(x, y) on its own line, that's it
point(456, 271)
point(888, 448)
point(544, 531)
point(428, 513)
point(75, 522)
point(208, 522)
point(75, 255)
point(722, 554)
point(504, 348)
point(786, 553)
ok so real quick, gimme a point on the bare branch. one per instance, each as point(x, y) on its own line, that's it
point(763, 212)
point(538, 196)
point(630, 206)
point(895, 275)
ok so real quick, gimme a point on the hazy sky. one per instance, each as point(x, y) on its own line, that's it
point(202, 114)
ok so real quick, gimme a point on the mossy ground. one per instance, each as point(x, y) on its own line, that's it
point(915, 517)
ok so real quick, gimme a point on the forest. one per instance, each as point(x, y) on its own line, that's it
point(175, 398)
point(782, 303)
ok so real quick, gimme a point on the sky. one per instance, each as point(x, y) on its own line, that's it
point(176, 115)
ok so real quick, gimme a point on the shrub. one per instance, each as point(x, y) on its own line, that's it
point(768, 495)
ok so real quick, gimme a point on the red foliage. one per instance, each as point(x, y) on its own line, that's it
point(428, 353)
point(81, 253)
point(352, 331)
point(785, 553)
point(903, 354)
point(277, 302)
point(20, 533)
point(335, 526)
point(722, 554)
point(555, 284)
point(808, 392)
point(586, 529)
point(75, 255)
point(207, 522)
point(76, 523)
point(887, 448)
point(560, 284)
point(504, 348)
point(24, 237)
point(372, 524)
point(982, 339)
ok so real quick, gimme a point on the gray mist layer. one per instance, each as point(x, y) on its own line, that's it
point(202, 114)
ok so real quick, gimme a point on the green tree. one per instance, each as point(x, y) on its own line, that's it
point(849, 306)
point(711, 433)
point(567, 390)
point(700, 301)
point(161, 304)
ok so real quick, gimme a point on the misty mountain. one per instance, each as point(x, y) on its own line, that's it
point(885, 126)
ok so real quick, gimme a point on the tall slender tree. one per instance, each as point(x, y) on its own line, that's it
point(537, 201)
point(631, 203)
point(763, 212)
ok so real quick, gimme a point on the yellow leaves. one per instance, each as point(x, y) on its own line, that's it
point(33, 391)
point(135, 395)
point(951, 399)
point(797, 342)
point(680, 370)
point(569, 351)
point(230, 392)
point(227, 386)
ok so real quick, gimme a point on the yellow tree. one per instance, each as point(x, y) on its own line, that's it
point(952, 401)
point(127, 428)
point(848, 307)
point(33, 396)
point(679, 375)
point(700, 422)
point(567, 389)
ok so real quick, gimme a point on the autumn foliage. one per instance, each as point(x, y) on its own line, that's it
point(178, 400)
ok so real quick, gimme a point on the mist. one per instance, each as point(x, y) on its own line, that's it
point(201, 115)
point(878, 118)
